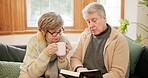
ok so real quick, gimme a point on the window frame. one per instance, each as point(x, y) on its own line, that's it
point(14, 17)
point(79, 22)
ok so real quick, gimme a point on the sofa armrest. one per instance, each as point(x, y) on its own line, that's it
point(20, 46)
point(142, 65)
point(11, 53)
point(135, 50)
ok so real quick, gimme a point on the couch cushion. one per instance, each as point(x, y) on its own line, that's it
point(11, 53)
point(9, 69)
point(135, 52)
point(142, 66)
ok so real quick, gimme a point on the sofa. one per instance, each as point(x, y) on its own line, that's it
point(138, 62)
point(11, 57)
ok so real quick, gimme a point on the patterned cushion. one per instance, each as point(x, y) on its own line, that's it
point(9, 69)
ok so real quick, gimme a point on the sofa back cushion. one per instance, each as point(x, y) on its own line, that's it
point(135, 52)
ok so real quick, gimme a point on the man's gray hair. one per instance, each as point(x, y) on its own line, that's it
point(94, 7)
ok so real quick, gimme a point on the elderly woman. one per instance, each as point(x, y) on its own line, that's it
point(41, 59)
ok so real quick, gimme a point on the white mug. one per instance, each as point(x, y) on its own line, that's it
point(61, 48)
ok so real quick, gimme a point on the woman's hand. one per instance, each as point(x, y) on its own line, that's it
point(67, 51)
point(51, 48)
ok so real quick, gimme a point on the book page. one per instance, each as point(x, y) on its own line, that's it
point(89, 70)
point(70, 73)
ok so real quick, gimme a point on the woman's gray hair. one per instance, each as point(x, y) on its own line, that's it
point(50, 21)
point(94, 7)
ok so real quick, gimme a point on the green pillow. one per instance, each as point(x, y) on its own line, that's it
point(135, 52)
point(9, 69)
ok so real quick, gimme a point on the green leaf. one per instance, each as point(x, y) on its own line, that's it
point(123, 26)
point(139, 39)
point(144, 2)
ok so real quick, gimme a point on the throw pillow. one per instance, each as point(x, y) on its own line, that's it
point(9, 69)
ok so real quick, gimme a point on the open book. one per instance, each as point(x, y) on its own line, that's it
point(95, 73)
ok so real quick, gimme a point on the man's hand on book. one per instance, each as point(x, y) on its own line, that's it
point(80, 69)
point(84, 77)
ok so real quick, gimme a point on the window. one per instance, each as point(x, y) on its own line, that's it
point(35, 8)
point(14, 15)
point(70, 10)
point(113, 11)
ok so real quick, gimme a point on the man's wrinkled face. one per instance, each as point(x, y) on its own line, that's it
point(96, 23)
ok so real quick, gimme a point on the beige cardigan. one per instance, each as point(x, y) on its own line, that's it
point(116, 54)
point(36, 60)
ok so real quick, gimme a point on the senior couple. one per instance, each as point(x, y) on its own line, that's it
point(99, 47)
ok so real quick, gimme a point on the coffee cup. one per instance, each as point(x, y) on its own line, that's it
point(61, 48)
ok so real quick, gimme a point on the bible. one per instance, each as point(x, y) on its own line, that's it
point(95, 73)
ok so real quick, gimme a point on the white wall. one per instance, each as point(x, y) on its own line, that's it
point(130, 13)
point(15, 39)
point(143, 18)
point(22, 39)
point(134, 13)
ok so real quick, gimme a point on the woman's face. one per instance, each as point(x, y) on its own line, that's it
point(54, 35)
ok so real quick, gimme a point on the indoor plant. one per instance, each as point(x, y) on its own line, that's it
point(124, 23)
